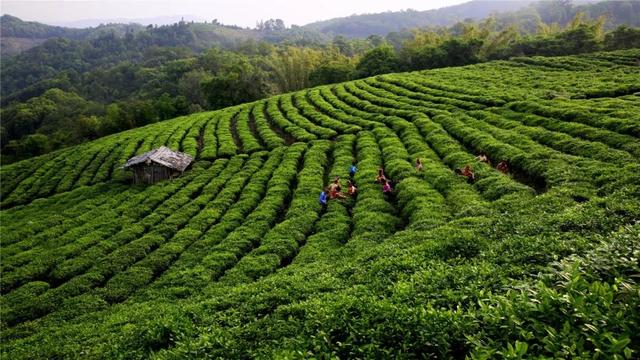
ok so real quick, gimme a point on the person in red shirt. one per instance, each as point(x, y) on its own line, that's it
point(351, 189)
point(381, 178)
point(503, 167)
point(468, 173)
point(334, 189)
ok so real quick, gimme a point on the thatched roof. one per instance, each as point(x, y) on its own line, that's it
point(162, 156)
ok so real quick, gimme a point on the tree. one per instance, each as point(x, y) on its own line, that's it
point(343, 45)
point(452, 52)
point(461, 52)
point(164, 107)
point(375, 40)
point(115, 120)
point(87, 127)
point(3, 136)
point(397, 39)
point(190, 86)
point(291, 67)
point(623, 37)
point(333, 72)
point(141, 112)
point(380, 60)
point(578, 40)
point(555, 11)
point(271, 25)
point(242, 82)
point(34, 145)
point(495, 46)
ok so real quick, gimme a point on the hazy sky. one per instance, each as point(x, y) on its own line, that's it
point(236, 12)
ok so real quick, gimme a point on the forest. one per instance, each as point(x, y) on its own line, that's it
point(526, 13)
point(91, 84)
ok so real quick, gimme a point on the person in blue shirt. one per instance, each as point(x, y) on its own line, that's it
point(323, 197)
point(353, 169)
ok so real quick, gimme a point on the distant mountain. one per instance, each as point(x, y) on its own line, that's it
point(11, 26)
point(360, 26)
point(157, 20)
point(18, 35)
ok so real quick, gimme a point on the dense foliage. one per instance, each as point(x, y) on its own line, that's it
point(13, 27)
point(526, 13)
point(196, 36)
point(237, 259)
point(114, 78)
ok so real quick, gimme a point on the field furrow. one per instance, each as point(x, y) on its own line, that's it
point(612, 139)
point(278, 246)
point(279, 122)
point(491, 182)
point(269, 134)
point(82, 233)
point(184, 277)
point(530, 252)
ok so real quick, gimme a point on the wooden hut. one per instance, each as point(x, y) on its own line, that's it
point(158, 164)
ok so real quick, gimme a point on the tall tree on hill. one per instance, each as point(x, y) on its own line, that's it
point(343, 45)
point(235, 79)
point(291, 67)
point(499, 42)
point(333, 68)
point(191, 84)
point(380, 60)
point(623, 37)
point(271, 25)
point(555, 11)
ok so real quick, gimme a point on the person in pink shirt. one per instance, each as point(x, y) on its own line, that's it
point(386, 188)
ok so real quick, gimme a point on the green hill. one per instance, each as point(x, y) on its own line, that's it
point(527, 14)
point(364, 25)
point(237, 259)
point(18, 35)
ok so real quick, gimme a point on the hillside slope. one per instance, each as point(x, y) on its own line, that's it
point(17, 35)
point(364, 25)
point(236, 259)
point(527, 14)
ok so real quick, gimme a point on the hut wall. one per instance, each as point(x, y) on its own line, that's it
point(150, 173)
point(157, 173)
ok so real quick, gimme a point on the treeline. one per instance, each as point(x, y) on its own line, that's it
point(364, 25)
point(197, 36)
point(526, 13)
point(469, 43)
point(11, 26)
point(32, 72)
point(66, 92)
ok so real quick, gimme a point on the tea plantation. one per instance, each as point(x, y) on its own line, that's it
point(237, 259)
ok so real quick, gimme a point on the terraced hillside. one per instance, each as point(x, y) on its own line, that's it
point(236, 259)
